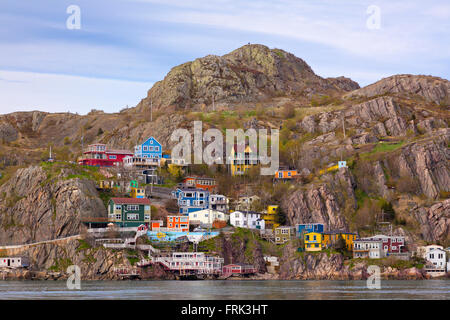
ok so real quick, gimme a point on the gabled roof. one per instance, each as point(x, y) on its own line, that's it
point(150, 138)
point(131, 201)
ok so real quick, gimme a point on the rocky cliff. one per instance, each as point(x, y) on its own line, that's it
point(38, 204)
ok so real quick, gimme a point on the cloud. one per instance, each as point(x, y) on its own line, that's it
point(27, 91)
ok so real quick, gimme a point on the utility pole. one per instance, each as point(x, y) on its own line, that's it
point(343, 125)
point(151, 109)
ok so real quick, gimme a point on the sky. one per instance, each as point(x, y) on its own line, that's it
point(110, 54)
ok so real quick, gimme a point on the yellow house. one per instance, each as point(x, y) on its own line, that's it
point(270, 217)
point(330, 238)
point(242, 159)
point(313, 241)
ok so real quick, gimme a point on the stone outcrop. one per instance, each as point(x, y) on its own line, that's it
point(430, 88)
point(434, 221)
point(332, 266)
point(325, 203)
point(35, 208)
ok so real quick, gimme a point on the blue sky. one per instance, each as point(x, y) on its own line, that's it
point(124, 46)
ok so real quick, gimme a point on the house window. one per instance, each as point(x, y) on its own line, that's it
point(156, 148)
point(132, 207)
point(150, 148)
point(113, 157)
point(145, 148)
point(118, 216)
point(132, 216)
point(118, 207)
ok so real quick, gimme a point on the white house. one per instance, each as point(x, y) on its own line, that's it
point(14, 262)
point(424, 250)
point(218, 202)
point(368, 248)
point(207, 217)
point(438, 258)
point(247, 219)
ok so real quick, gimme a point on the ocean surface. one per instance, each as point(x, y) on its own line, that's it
point(202, 290)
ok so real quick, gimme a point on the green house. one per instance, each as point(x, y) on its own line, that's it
point(129, 212)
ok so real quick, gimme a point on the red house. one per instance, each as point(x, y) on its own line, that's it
point(204, 183)
point(391, 244)
point(99, 155)
point(238, 268)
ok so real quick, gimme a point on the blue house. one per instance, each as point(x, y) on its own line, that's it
point(191, 199)
point(151, 148)
point(308, 227)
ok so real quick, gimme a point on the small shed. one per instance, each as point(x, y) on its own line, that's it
point(14, 262)
point(238, 268)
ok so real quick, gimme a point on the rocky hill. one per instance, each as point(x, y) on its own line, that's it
point(249, 74)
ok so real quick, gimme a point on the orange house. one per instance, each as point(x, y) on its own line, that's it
point(156, 224)
point(285, 174)
point(178, 223)
point(208, 184)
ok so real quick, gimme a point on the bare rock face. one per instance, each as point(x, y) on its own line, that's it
point(34, 208)
point(248, 74)
point(429, 164)
point(432, 89)
point(322, 204)
point(95, 263)
point(434, 221)
point(7, 132)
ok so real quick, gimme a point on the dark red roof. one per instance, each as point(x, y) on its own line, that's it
point(131, 200)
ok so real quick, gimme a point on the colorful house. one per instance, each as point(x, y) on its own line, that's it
point(178, 223)
point(313, 241)
point(391, 244)
point(204, 183)
point(99, 155)
point(156, 224)
point(308, 227)
point(136, 192)
point(129, 212)
point(332, 237)
point(242, 158)
point(284, 234)
point(150, 148)
point(270, 217)
point(191, 199)
point(285, 174)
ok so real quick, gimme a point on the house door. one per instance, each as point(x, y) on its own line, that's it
point(9, 262)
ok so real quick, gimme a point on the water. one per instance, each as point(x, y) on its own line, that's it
point(222, 290)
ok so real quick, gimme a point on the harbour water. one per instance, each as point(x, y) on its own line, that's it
point(223, 290)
